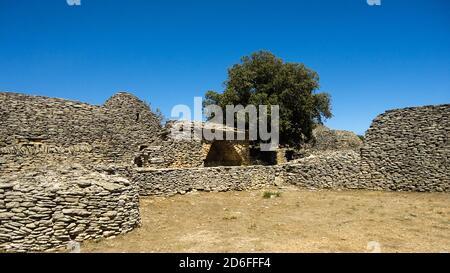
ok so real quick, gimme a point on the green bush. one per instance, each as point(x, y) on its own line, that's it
point(269, 194)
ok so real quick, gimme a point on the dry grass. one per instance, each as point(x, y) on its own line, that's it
point(297, 221)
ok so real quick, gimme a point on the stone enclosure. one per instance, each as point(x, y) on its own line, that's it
point(35, 128)
point(48, 208)
point(70, 171)
point(409, 150)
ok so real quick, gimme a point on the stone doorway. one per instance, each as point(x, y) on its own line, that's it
point(223, 153)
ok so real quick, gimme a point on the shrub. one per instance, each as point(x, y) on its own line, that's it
point(269, 194)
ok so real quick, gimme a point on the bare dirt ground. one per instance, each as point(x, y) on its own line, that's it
point(297, 221)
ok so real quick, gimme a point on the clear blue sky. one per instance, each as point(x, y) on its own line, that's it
point(369, 58)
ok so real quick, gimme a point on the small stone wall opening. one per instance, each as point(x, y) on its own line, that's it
point(290, 155)
point(222, 153)
point(138, 162)
point(263, 158)
point(143, 147)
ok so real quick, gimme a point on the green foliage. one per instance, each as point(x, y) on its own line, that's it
point(269, 194)
point(228, 218)
point(362, 137)
point(264, 79)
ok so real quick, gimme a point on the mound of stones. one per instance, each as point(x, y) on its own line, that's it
point(326, 139)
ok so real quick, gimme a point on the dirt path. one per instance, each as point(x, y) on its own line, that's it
point(297, 221)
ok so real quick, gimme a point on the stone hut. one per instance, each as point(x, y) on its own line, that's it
point(35, 129)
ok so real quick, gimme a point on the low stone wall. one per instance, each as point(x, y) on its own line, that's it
point(179, 181)
point(327, 170)
point(46, 209)
point(171, 154)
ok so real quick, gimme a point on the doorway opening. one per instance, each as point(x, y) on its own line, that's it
point(222, 153)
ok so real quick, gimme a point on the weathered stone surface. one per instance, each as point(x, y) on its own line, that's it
point(77, 212)
point(110, 214)
point(35, 130)
point(41, 219)
point(409, 150)
point(108, 186)
point(84, 184)
point(326, 139)
point(6, 185)
point(173, 181)
point(327, 170)
point(6, 215)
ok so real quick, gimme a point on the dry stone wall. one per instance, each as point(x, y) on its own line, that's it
point(169, 182)
point(23, 158)
point(39, 127)
point(328, 170)
point(48, 208)
point(172, 154)
point(409, 150)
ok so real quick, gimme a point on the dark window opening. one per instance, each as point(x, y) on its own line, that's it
point(138, 162)
point(143, 147)
point(137, 117)
point(289, 155)
point(263, 158)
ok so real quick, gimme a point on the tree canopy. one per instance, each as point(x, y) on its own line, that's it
point(264, 79)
